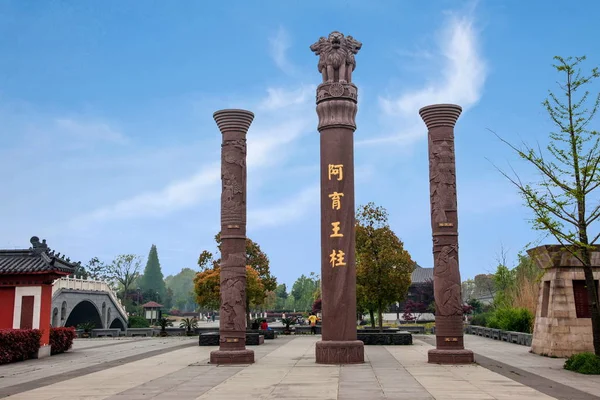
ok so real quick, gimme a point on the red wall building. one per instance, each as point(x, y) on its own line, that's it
point(26, 278)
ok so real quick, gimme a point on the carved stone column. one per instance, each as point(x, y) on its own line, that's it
point(440, 120)
point(234, 125)
point(336, 108)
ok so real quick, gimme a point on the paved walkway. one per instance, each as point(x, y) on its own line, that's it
point(176, 368)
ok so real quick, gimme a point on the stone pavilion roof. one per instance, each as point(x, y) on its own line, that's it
point(38, 259)
point(152, 304)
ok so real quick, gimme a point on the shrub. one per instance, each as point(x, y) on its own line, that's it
point(480, 319)
point(137, 321)
point(175, 312)
point(511, 319)
point(584, 363)
point(61, 339)
point(18, 344)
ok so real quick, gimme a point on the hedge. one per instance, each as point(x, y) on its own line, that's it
point(18, 344)
point(137, 321)
point(61, 339)
point(584, 363)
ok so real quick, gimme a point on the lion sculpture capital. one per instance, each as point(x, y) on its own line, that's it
point(336, 57)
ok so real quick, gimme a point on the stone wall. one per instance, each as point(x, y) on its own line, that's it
point(560, 333)
point(521, 338)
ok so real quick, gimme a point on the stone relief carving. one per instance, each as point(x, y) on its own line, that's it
point(443, 180)
point(448, 290)
point(233, 293)
point(232, 178)
point(336, 90)
point(336, 57)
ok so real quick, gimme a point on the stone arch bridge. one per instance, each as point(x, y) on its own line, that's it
point(76, 301)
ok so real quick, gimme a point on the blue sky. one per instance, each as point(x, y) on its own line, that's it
point(107, 143)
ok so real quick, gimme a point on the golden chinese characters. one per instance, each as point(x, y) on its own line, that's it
point(337, 259)
point(336, 170)
point(335, 227)
point(336, 200)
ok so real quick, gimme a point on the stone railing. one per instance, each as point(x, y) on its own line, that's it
point(498, 334)
point(89, 285)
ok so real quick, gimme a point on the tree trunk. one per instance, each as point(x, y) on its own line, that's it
point(372, 316)
point(593, 300)
point(380, 317)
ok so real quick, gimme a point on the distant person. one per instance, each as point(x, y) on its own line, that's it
point(264, 326)
point(312, 319)
point(213, 317)
point(255, 325)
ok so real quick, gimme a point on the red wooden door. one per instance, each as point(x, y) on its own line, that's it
point(27, 312)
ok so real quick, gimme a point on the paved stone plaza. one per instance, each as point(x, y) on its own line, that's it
point(176, 368)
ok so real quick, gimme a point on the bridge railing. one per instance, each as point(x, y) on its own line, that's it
point(91, 285)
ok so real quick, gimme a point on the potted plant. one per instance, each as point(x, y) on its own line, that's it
point(163, 323)
point(189, 324)
point(87, 328)
point(286, 323)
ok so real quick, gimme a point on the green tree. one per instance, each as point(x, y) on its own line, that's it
point(168, 301)
point(152, 279)
point(97, 270)
point(303, 291)
point(182, 286)
point(383, 266)
point(484, 285)
point(281, 296)
point(569, 173)
point(123, 271)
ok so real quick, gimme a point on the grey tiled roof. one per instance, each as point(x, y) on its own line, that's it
point(38, 259)
point(421, 275)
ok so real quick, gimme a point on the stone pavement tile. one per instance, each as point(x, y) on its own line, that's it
point(112, 381)
point(31, 374)
point(458, 382)
point(546, 367)
point(283, 373)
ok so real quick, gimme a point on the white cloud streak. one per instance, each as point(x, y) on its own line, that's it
point(278, 47)
point(90, 130)
point(276, 127)
point(179, 194)
point(285, 211)
point(461, 82)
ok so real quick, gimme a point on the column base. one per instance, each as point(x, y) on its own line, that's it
point(232, 357)
point(43, 352)
point(340, 352)
point(454, 356)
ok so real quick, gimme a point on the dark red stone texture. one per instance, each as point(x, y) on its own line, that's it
point(440, 120)
point(336, 109)
point(234, 125)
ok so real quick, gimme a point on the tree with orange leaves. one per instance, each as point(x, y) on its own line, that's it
point(207, 286)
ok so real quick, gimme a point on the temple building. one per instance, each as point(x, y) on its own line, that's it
point(26, 278)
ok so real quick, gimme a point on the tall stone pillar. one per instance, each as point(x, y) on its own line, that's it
point(336, 108)
point(234, 125)
point(440, 120)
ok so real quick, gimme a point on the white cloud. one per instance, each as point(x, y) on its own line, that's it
point(280, 98)
point(90, 130)
point(461, 82)
point(269, 138)
point(278, 47)
point(176, 195)
point(285, 211)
